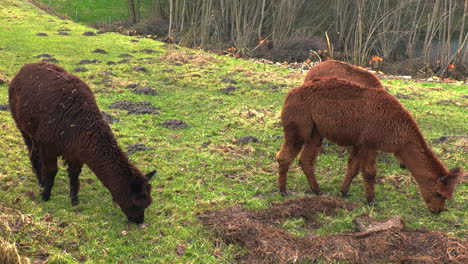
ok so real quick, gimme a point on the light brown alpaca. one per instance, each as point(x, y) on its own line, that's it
point(367, 119)
point(345, 71)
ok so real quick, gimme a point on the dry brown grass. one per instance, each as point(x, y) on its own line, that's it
point(387, 242)
point(184, 57)
point(8, 252)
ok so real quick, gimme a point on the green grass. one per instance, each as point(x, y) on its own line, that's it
point(95, 11)
point(194, 177)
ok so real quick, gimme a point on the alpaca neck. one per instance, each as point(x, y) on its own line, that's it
point(107, 160)
point(423, 164)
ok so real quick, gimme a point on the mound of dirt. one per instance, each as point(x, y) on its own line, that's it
point(86, 61)
point(132, 86)
point(145, 90)
point(109, 118)
point(4, 107)
point(229, 89)
point(80, 69)
point(125, 55)
point(175, 124)
point(43, 55)
point(101, 51)
point(137, 147)
point(384, 242)
point(148, 51)
point(135, 108)
point(403, 96)
point(89, 33)
point(140, 69)
point(247, 139)
point(450, 102)
point(63, 33)
point(227, 80)
point(123, 61)
point(40, 34)
point(50, 60)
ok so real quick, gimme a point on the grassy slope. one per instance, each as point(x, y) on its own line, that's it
point(95, 11)
point(193, 178)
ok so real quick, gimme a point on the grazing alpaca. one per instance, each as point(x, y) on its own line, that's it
point(367, 119)
point(343, 70)
point(57, 115)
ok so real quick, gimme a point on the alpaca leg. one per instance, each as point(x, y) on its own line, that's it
point(48, 171)
point(402, 165)
point(33, 156)
point(74, 170)
point(369, 171)
point(351, 171)
point(308, 158)
point(291, 147)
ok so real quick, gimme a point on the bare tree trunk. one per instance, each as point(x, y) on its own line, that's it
point(462, 31)
point(262, 16)
point(132, 11)
point(171, 17)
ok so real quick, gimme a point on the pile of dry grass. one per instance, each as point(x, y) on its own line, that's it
point(267, 243)
point(182, 57)
point(8, 252)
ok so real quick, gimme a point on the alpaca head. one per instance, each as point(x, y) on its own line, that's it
point(138, 198)
point(435, 198)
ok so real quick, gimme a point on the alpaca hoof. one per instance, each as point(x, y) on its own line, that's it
point(75, 201)
point(45, 197)
point(402, 166)
point(371, 202)
point(345, 194)
point(284, 193)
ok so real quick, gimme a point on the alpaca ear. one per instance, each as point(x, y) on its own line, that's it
point(454, 174)
point(449, 182)
point(150, 175)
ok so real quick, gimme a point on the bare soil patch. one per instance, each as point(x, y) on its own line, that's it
point(125, 55)
point(4, 107)
point(137, 147)
point(80, 69)
point(135, 107)
point(175, 124)
point(229, 89)
point(89, 33)
point(51, 60)
point(246, 140)
point(227, 80)
point(109, 118)
point(101, 51)
point(387, 242)
point(145, 90)
point(86, 61)
point(140, 69)
point(43, 55)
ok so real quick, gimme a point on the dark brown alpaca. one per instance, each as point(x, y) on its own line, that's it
point(367, 119)
point(57, 115)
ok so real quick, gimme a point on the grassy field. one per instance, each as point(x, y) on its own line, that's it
point(95, 11)
point(200, 167)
